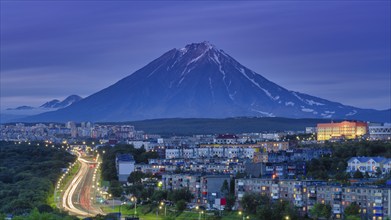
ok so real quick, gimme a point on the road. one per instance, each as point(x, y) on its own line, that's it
point(77, 196)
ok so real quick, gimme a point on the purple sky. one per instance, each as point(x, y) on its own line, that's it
point(337, 50)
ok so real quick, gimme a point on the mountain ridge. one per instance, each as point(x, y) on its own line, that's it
point(53, 104)
point(201, 81)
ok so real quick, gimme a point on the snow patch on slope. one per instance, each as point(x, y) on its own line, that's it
point(267, 114)
point(257, 85)
point(312, 102)
point(326, 115)
point(297, 96)
point(307, 110)
point(232, 96)
point(351, 113)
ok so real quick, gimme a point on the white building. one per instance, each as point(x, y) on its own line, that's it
point(226, 139)
point(206, 152)
point(380, 132)
point(139, 144)
point(366, 164)
point(125, 166)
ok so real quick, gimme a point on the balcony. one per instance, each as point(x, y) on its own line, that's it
point(312, 195)
point(337, 198)
point(275, 196)
point(378, 208)
point(298, 203)
point(336, 211)
point(298, 197)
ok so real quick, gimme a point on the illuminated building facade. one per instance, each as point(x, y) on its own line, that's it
point(342, 130)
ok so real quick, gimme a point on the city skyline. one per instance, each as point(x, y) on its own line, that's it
point(339, 51)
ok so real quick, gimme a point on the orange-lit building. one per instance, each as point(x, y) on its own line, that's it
point(342, 130)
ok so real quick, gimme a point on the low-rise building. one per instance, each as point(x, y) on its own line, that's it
point(370, 165)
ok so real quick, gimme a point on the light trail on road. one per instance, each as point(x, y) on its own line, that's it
point(78, 191)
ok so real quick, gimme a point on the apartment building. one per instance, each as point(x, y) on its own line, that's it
point(374, 201)
point(205, 188)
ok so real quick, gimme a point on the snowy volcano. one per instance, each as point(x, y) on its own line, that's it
point(201, 81)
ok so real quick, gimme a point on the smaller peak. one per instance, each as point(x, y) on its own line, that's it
point(73, 97)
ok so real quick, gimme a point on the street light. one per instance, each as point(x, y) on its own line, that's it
point(200, 213)
point(286, 217)
point(165, 208)
point(243, 216)
point(134, 198)
point(112, 198)
point(240, 213)
point(157, 211)
point(122, 203)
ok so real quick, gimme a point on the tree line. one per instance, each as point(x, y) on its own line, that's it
point(334, 165)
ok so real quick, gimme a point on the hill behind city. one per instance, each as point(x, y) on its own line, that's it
point(190, 126)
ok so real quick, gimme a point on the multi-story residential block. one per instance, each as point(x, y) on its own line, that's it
point(205, 188)
point(284, 170)
point(274, 146)
point(226, 139)
point(342, 130)
point(374, 201)
point(303, 154)
point(207, 152)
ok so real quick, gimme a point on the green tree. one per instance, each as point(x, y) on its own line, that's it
point(224, 188)
point(232, 186)
point(159, 195)
point(180, 205)
point(352, 217)
point(180, 194)
point(352, 209)
point(378, 172)
point(341, 176)
point(358, 175)
point(320, 211)
point(250, 202)
point(135, 177)
point(115, 188)
point(230, 202)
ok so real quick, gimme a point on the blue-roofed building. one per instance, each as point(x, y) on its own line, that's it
point(368, 164)
point(125, 166)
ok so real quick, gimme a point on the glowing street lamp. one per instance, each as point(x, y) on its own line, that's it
point(165, 208)
point(135, 204)
point(243, 215)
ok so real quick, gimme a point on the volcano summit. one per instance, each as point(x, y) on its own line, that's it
point(201, 81)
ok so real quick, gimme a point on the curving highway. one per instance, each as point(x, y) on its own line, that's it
point(77, 196)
